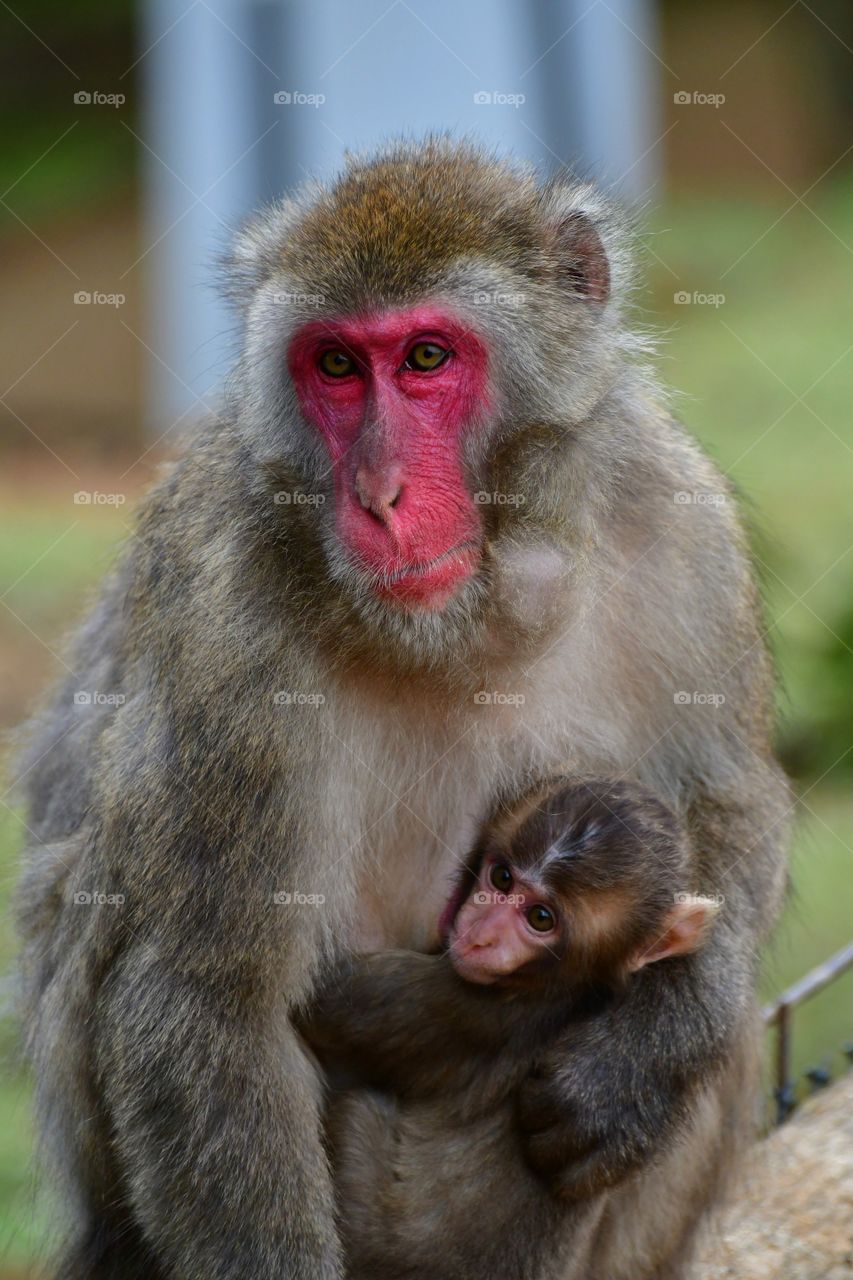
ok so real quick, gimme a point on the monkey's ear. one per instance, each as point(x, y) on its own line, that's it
point(574, 241)
point(684, 930)
point(253, 253)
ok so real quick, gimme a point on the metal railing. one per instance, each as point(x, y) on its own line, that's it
point(779, 1014)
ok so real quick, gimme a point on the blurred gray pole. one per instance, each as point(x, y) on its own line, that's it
point(600, 81)
point(614, 61)
point(198, 122)
point(245, 98)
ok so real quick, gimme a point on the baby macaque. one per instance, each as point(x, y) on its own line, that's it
point(568, 895)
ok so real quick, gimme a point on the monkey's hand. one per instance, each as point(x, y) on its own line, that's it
point(612, 1091)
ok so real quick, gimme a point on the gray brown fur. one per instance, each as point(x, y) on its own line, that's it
point(174, 1095)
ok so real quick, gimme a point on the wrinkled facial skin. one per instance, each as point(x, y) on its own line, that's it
point(492, 935)
point(394, 434)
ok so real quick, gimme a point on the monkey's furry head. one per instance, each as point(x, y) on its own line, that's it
point(537, 270)
point(392, 225)
point(543, 266)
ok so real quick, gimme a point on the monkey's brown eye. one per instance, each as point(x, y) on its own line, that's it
point(500, 878)
point(337, 364)
point(541, 919)
point(425, 356)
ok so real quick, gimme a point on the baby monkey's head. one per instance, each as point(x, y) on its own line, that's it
point(576, 883)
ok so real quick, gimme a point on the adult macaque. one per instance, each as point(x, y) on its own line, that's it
point(566, 898)
point(428, 552)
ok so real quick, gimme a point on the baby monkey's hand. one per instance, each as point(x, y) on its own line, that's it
point(591, 1113)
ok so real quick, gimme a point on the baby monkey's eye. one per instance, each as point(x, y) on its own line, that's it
point(541, 919)
point(425, 356)
point(337, 364)
point(500, 878)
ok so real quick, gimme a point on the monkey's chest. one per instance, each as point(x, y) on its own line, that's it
point(424, 779)
point(421, 803)
point(414, 842)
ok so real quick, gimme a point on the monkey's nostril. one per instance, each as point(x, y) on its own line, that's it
point(379, 493)
point(381, 511)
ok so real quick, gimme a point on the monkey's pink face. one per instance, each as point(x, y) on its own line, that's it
point(393, 396)
point(504, 924)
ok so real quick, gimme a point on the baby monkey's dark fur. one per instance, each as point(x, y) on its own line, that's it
point(424, 1066)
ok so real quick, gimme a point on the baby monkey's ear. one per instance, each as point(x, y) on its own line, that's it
point(684, 929)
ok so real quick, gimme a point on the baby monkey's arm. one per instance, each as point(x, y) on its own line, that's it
point(405, 1022)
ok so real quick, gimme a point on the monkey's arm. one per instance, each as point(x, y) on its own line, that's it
point(206, 1112)
point(616, 1089)
point(402, 1021)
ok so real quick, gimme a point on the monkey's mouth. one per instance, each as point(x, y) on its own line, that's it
point(466, 965)
point(430, 583)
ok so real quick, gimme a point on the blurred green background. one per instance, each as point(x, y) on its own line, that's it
point(763, 375)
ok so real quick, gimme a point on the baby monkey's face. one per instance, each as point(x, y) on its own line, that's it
point(507, 923)
point(583, 885)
